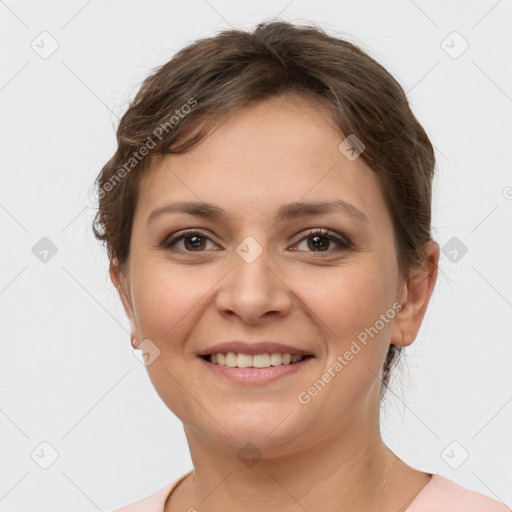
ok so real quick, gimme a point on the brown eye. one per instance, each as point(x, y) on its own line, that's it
point(320, 240)
point(193, 241)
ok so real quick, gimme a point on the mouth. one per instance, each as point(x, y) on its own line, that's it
point(254, 363)
point(257, 364)
point(261, 360)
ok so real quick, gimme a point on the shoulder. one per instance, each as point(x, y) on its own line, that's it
point(444, 495)
point(154, 502)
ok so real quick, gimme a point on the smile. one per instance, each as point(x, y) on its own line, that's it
point(254, 369)
point(264, 360)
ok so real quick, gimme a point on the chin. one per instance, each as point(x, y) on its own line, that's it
point(265, 430)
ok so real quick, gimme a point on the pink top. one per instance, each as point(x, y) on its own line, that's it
point(439, 495)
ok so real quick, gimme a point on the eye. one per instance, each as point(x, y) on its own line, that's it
point(194, 241)
point(321, 238)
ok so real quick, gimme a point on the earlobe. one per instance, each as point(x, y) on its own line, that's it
point(415, 298)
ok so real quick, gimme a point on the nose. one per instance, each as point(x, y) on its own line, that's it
point(253, 290)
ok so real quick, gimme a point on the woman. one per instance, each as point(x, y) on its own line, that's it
point(267, 218)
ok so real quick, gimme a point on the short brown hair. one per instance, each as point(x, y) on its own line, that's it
point(216, 76)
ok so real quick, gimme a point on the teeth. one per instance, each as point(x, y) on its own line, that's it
point(260, 360)
point(231, 359)
point(243, 360)
point(266, 360)
point(276, 359)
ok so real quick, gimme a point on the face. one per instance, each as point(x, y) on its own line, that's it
point(324, 283)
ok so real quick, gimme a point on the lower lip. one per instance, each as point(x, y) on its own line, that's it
point(255, 375)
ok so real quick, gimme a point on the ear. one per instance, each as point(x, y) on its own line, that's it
point(118, 280)
point(414, 297)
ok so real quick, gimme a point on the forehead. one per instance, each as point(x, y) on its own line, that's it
point(278, 151)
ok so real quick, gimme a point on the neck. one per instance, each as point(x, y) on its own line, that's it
point(344, 472)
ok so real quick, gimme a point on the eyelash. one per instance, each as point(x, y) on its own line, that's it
point(343, 243)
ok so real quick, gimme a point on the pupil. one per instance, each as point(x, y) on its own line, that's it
point(195, 241)
point(317, 241)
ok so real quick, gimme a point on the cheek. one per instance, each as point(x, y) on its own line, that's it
point(348, 304)
point(349, 296)
point(165, 296)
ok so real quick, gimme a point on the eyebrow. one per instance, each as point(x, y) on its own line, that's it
point(285, 212)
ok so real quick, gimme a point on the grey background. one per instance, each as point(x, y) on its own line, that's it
point(68, 376)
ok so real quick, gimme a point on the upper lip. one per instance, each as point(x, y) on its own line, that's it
point(260, 347)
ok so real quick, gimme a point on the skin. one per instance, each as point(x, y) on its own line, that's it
point(329, 453)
